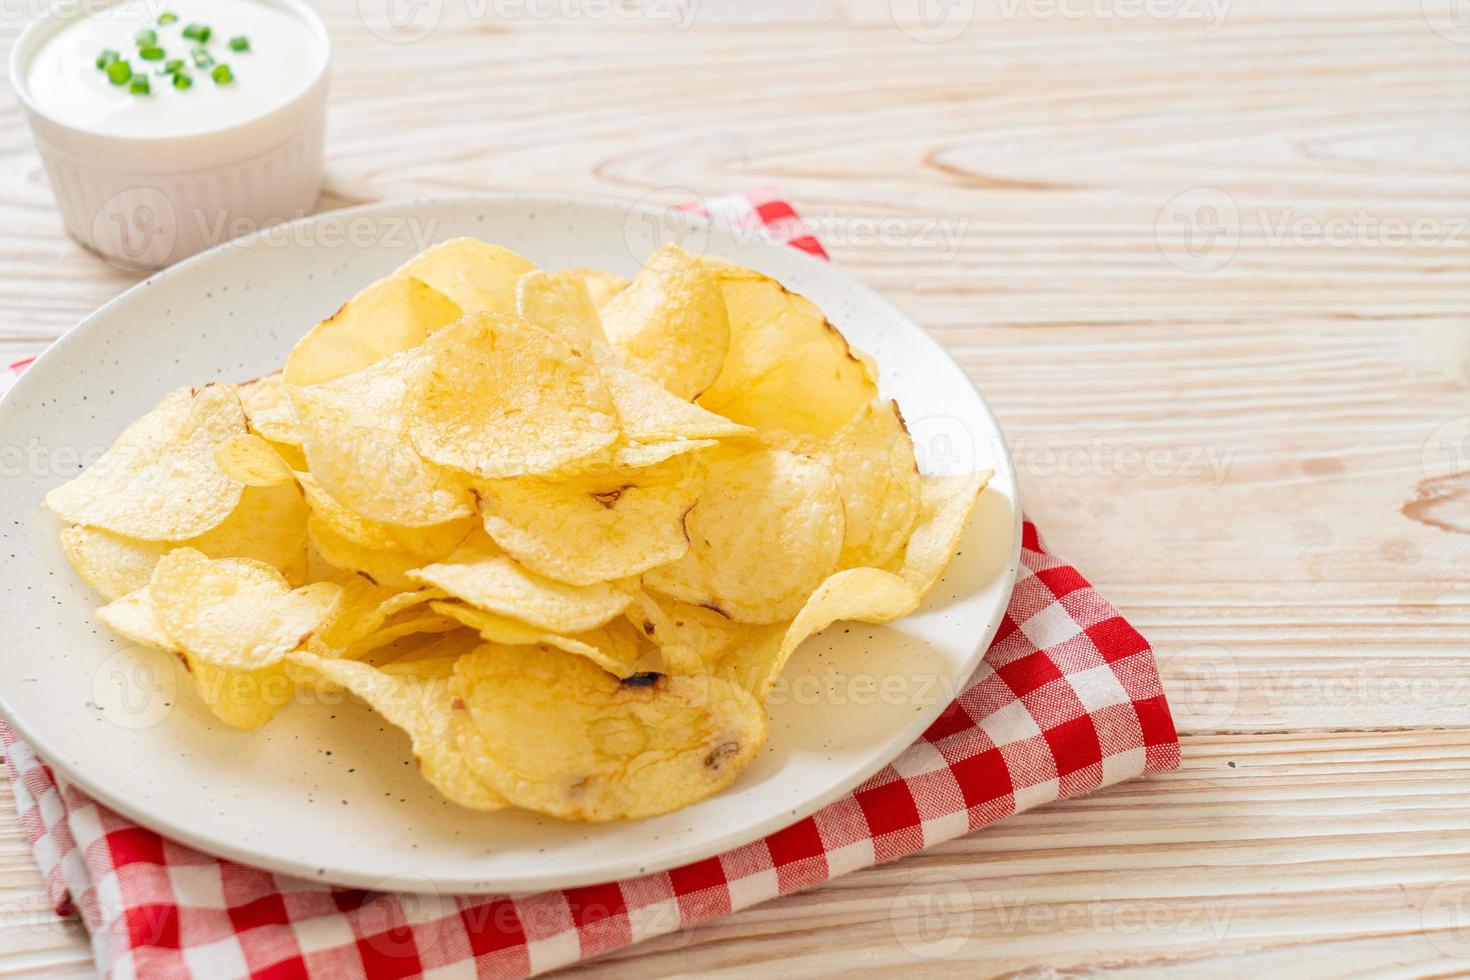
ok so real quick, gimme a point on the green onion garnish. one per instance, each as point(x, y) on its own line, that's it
point(172, 66)
point(139, 85)
point(151, 53)
point(119, 72)
point(181, 80)
point(146, 38)
point(240, 43)
point(222, 75)
point(167, 18)
point(106, 58)
point(202, 58)
point(197, 32)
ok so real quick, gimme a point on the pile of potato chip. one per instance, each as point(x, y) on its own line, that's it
point(562, 528)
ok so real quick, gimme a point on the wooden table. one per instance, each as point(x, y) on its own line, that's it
point(1210, 264)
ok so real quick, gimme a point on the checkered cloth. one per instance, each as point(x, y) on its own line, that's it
point(1067, 701)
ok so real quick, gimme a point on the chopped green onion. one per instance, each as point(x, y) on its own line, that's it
point(139, 85)
point(172, 66)
point(182, 80)
point(106, 58)
point(119, 72)
point(197, 32)
point(153, 53)
point(222, 75)
point(202, 58)
point(146, 38)
point(240, 43)
point(167, 18)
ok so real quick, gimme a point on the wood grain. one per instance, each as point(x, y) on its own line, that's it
point(1245, 440)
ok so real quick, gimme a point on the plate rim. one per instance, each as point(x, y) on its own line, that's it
point(539, 881)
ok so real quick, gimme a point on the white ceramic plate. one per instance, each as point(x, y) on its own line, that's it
point(328, 791)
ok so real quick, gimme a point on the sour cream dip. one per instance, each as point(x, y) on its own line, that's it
point(167, 125)
point(278, 62)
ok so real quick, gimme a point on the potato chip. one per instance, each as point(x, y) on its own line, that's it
point(498, 397)
point(243, 699)
point(872, 460)
point(480, 575)
point(160, 480)
point(615, 647)
point(592, 528)
point(705, 634)
point(365, 609)
point(268, 411)
point(385, 568)
point(947, 504)
point(416, 699)
point(635, 455)
point(868, 595)
point(268, 525)
point(555, 734)
point(787, 366)
point(110, 563)
point(355, 433)
point(601, 286)
point(559, 302)
point(431, 543)
point(250, 459)
point(670, 323)
point(444, 648)
point(389, 316)
point(235, 613)
point(766, 532)
point(477, 277)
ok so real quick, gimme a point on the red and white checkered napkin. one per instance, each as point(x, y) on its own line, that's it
point(1067, 701)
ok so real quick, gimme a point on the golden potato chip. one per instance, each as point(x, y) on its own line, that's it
point(592, 528)
point(872, 460)
point(555, 734)
point(363, 609)
point(269, 525)
point(160, 480)
point(634, 455)
point(767, 530)
point(947, 504)
point(355, 434)
point(706, 634)
point(389, 316)
point(670, 323)
point(601, 286)
point(243, 699)
point(415, 698)
point(406, 624)
point(110, 563)
point(480, 575)
point(869, 595)
point(646, 411)
point(235, 613)
point(787, 367)
point(268, 411)
point(559, 302)
point(386, 568)
point(615, 647)
point(250, 459)
point(477, 277)
point(498, 397)
point(430, 543)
